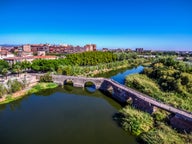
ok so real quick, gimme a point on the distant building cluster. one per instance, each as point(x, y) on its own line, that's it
point(117, 50)
point(30, 52)
point(53, 49)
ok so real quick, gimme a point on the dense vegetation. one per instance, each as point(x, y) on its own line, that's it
point(87, 64)
point(42, 86)
point(148, 128)
point(134, 121)
point(11, 87)
point(167, 80)
point(90, 58)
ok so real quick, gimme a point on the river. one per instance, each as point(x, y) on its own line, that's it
point(62, 115)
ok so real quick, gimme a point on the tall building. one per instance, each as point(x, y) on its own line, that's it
point(27, 48)
point(140, 50)
point(90, 47)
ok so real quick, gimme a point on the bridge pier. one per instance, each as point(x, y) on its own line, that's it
point(181, 123)
point(143, 105)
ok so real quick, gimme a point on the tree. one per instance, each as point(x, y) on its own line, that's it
point(17, 69)
point(3, 90)
point(5, 72)
point(3, 64)
point(25, 65)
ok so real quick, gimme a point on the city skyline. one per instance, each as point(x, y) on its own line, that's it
point(158, 25)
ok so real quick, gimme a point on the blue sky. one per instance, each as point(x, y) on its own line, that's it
point(151, 24)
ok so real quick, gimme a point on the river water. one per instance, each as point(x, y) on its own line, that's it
point(62, 115)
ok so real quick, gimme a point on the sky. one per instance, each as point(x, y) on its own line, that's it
point(150, 24)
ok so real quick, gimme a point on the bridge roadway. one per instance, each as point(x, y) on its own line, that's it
point(98, 82)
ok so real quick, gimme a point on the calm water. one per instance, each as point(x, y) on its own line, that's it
point(120, 77)
point(65, 115)
point(62, 115)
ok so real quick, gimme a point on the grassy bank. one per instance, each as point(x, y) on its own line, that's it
point(30, 90)
point(41, 86)
point(150, 87)
point(149, 129)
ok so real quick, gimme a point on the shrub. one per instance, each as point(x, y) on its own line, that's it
point(46, 78)
point(161, 134)
point(3, 90)
point(134, 121)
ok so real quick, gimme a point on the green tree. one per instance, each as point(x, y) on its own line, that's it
point(3, 64)
point(25, 65)
point(5, 72)
point(17, 69)
point(3, 90)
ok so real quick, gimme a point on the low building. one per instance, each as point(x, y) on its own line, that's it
point(5, 54)
point(27, 48)
point(41, 53)
point(24, 53)
point(13, 60)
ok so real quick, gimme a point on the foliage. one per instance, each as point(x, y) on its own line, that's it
point(3, 64)
point(3, 90)
point(150, 87)
point(4, 72)
point(46, 78)
point(17, 69)
point(163, 134)
point(91, 58)
point(25, 65)
point(42, 86)
point(14, 86)
point(44, 65)
point(150, 129)
point(125, 56)
point(135, 121)
point(160, 115)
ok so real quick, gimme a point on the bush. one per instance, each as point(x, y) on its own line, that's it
point(162, 134)
point(134, 121)
point(15, 86)
point(3, 91)
point(180, 98)
point(46, 78)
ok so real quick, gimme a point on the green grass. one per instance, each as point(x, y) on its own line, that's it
point(163, 134)
point(148, 86)
point(34, 89)
point(150, 129)
point(9, 99)
point(42, 86)
point(135, 121)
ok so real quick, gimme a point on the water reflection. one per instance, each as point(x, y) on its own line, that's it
point(63, 116)
point(120, 77)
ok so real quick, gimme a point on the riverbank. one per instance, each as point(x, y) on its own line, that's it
point(32, 88)
point(150, 129)
point(105, 71)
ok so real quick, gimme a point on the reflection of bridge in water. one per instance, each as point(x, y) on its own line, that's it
point(181, 119)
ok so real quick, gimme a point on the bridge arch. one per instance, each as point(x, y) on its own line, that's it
point(90, 83)
point(68, 82)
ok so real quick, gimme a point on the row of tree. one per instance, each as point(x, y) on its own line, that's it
point(171, 75)
point(90, 59)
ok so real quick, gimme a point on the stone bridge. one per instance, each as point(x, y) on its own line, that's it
point(181, 120)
